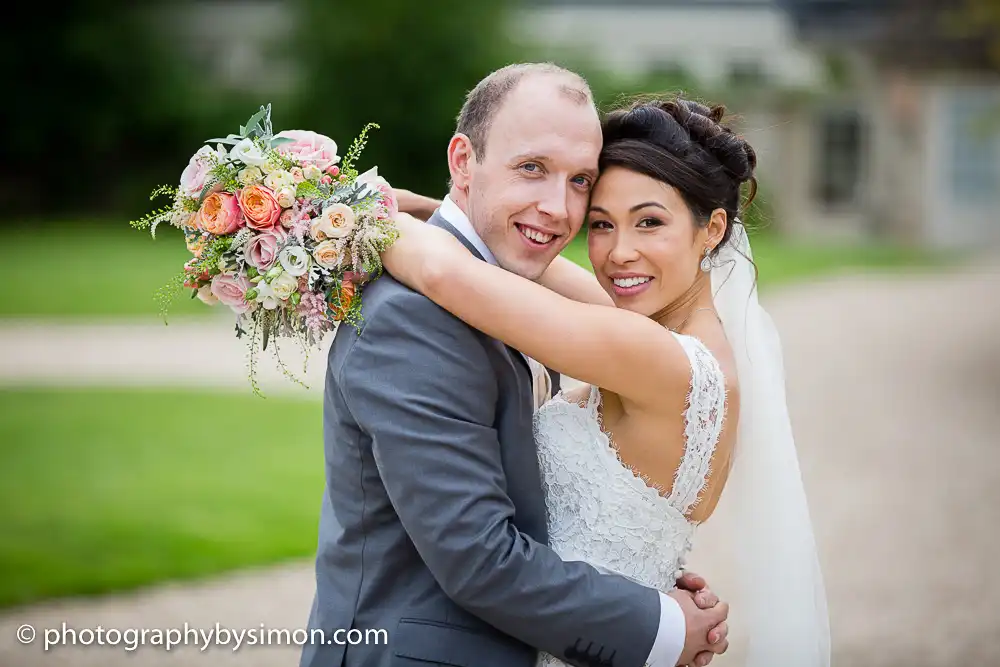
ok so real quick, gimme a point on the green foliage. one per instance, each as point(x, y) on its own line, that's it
point(347, 164)
point(113, 94)
point(405, 65)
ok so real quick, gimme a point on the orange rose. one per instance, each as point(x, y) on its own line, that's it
point(220, 214)
point(346, 296)
point(260, 207)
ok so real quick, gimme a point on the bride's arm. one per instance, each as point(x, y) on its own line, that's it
point(612, 348)
point(563, 276)
point(572, 281)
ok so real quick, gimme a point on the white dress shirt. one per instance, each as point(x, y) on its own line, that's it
point(669, 641)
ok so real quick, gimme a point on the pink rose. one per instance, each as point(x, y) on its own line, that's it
point(231, 289)
point(287, 218)
point(220, 214)
point(309, 148)
point(259, 206)
point(196, 173)
point(262, 249)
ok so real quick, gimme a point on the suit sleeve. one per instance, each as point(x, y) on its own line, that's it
point(419, 382)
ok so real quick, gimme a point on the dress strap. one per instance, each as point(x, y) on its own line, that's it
point(703, 419)
point(595, 398)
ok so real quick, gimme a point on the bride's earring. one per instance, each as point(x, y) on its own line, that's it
point(706, 263)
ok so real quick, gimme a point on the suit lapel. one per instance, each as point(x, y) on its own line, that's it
point(438, 221)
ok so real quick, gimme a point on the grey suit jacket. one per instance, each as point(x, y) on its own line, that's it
point(433, 518)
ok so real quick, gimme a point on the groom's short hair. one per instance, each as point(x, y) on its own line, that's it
point(484, 101)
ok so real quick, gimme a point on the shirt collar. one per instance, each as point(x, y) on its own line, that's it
point(452, 214)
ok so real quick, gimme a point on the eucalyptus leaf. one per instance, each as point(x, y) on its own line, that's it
point(232, 140)
point(256, 118)
point(267, 333)
point(277, 141)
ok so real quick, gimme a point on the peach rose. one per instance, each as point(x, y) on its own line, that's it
point(231, 289)
point(220, 214)
point(335, 222)
point(260, 207)
point(262, 250)
point(327, 254)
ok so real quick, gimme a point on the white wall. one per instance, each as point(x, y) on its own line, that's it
point(706, 41)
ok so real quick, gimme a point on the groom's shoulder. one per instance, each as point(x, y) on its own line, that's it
point(387, 303)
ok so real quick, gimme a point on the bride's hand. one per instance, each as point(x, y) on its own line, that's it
point(418, 206)
point(421, 253)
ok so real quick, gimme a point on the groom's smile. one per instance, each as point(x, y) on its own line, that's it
point(534, 237)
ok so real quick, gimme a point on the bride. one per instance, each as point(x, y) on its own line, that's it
point(684, 394)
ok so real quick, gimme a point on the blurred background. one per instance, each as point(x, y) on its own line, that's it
point(143, 485)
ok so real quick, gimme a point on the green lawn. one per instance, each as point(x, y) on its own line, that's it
point(104, 490)
point(781, 261)
point(92, 270)
point(106, 270)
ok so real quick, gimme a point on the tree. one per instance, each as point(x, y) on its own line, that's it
point(101, 108)
point(402, 64)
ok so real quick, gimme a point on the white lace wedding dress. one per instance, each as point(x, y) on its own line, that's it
point(599, 510)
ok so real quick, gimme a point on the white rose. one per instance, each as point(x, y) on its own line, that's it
point(279, 179)
point(295, 260)
point(248, 153)
point(266, 296)
point(206, 296)
point(285, 197)
point(268, 167)
point(250, 175)
point(283, 286)
point(312, 173)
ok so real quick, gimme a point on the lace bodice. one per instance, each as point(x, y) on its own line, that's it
point(599, 510)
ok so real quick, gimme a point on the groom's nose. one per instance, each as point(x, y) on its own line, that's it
point(553, 202)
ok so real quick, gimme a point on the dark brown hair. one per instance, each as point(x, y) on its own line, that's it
point(684, 144)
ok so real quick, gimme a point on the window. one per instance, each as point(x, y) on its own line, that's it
point(973, 144)
point(839, 158)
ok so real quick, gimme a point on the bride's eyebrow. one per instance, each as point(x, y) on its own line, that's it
point(643, 205)
point(637, 207)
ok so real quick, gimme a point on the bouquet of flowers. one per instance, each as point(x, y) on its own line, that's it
point(281, 231)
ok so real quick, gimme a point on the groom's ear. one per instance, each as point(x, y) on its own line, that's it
point(461, 156)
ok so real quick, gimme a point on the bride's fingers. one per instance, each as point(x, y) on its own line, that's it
point(706, 599)
point(690, 581)
point(718, 633)
point(703, 658)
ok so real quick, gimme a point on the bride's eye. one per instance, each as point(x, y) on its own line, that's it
point(648, 223)
point(600, 224)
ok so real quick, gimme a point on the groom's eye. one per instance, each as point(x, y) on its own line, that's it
point(532, 167)
point(582, 181)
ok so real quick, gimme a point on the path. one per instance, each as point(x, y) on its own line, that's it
point(894, 389)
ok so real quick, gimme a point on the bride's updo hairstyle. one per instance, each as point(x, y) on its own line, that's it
point(684, 144)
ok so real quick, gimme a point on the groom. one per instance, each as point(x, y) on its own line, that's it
point(433, 523)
